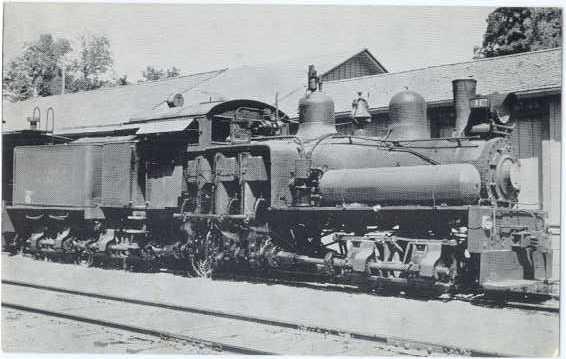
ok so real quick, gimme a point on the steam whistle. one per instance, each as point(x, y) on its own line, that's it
point(314, 82)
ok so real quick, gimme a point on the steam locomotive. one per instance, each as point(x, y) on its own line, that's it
point(238, 186)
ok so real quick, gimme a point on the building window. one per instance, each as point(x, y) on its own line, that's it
point(442, 121)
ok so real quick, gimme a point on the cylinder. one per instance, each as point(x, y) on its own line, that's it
point(463, 90)
point(454, 184)
point(407, 117)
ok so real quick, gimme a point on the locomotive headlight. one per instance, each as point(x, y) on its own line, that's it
point(508, 175)
point(514, 174)
point(486, 223)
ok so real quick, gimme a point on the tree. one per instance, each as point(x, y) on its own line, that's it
point(173, 72)
point(512, 30)
point(122, 81)
point(152, 73)
point(32, 73)
point(118, 81)
point(38, 71)
point(94, 60)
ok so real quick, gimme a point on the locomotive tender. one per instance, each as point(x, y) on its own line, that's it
point(238, 186)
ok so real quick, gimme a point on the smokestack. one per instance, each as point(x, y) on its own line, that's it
point(464, 90)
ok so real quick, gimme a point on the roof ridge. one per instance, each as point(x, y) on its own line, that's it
point(185, 90)
point(143, 83)
point(497, 58)
point(362, 51)
point(294, 59)
point(180, 76)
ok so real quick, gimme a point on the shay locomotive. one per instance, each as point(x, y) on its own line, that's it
point(238, 186)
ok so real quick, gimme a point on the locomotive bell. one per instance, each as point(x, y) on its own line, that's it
point(360, 110)
point(407, 115)
point(316, 110)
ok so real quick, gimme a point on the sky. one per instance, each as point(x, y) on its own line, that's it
point(198, 38)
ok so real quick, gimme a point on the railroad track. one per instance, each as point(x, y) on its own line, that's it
point(549, 305)
point(230, 332)
point(552, 305)
point(479, 299)
point(137, 329)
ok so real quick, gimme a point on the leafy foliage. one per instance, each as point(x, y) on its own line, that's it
point(94, 60)
point(31, 73)
point(512, 30)
point(152, 74)
point(122, 81)
point(39, 69)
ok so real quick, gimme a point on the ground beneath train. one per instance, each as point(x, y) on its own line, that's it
point(502, 330)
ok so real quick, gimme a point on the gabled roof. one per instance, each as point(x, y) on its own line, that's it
point(530, 72)
point(328, 61)
point(365, 56)
point(120, 104)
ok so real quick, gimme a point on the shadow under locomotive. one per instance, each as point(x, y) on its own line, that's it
point(237, 186)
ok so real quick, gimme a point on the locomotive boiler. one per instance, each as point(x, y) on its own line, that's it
point(237, 186)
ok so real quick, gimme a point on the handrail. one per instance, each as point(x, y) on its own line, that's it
point(52, 111)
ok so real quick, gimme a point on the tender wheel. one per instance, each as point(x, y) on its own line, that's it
point(10, 242)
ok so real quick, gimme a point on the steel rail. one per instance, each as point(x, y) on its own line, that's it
point(480, 300)
point(428, 347)
point(494, 303)
point(140, 330)
point(477, 300)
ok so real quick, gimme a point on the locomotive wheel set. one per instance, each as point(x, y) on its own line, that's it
point(236, 186)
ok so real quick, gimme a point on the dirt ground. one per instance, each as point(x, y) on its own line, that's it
point(30, 332)
point(454, 323)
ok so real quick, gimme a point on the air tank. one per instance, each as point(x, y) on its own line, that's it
point(454, 184)
point(407, 116)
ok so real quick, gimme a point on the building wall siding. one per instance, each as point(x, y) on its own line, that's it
point(527, 141)
point(551, 165)
point(357, 66)
point(551, 154)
